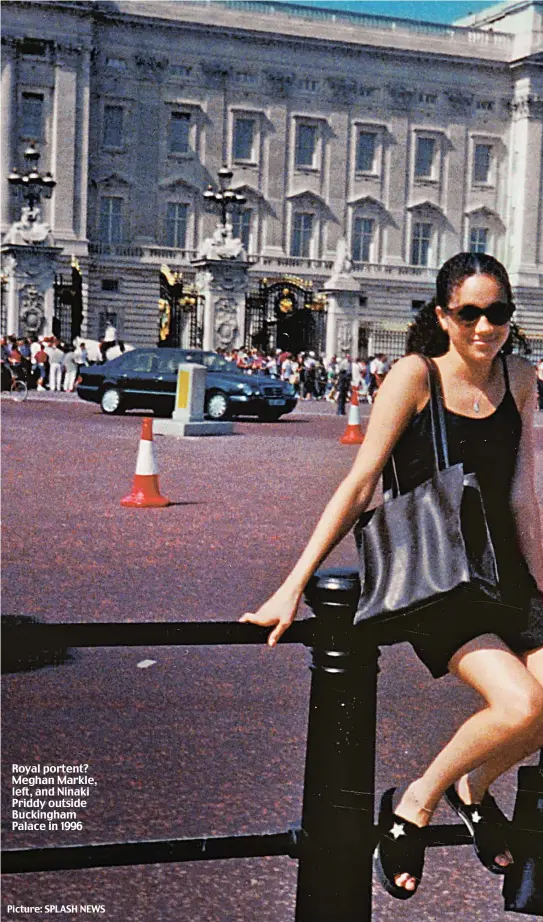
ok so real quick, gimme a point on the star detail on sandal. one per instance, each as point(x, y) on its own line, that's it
point(398, 830)
point(476, 816)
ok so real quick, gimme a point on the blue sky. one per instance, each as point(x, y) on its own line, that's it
point(430, 10)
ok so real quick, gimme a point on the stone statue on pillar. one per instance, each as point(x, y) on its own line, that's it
point(343, 296)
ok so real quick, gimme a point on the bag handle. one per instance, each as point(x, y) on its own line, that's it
point(437, 416)
point(438, 428)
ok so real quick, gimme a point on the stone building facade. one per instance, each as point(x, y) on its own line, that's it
point(407, 140)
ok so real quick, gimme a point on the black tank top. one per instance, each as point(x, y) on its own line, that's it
point(488, 447)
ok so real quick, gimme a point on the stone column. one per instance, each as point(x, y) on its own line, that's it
point(63, 144)
point(331, 326)
point(222, 283)
point(8, 60)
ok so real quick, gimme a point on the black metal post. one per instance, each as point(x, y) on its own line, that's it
point(337, 835)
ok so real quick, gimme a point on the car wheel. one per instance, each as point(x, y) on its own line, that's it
point(217, 405)
point(111, 401)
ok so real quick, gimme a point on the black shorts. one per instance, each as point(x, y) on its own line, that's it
point(440, 632)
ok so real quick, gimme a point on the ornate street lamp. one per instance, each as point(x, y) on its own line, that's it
point(30, 186)
point(224, 199)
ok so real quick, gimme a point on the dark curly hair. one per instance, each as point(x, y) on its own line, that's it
point(426, 336)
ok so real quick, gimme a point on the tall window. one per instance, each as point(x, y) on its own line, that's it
point(481, 163)
point(241, 226)
point(32, 116)
point(420, 250)
point(244, 133)
point(424, 157)
point(365, 152)
point(111, 219)
point(306, 145)
point(478, 240)
point(176, 224)
point(179, 133)
point(113, 126)
point(302, 232)
point(362, 239)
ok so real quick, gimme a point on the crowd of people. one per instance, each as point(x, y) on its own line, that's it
point(50, 364)
point(47, 362)
point(316, 377)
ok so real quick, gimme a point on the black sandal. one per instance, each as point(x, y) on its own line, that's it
point(487, 826)
point(400, 849)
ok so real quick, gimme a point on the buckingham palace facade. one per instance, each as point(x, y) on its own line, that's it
point(402, 141)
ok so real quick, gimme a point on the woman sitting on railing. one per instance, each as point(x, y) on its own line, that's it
point(489, 401)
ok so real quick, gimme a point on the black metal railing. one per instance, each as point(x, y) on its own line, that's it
point(336, 838)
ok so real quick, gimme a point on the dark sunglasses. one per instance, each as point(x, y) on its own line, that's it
point(497, 314)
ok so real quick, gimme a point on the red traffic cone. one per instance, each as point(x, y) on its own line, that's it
point(353, 432)
point(145, 491)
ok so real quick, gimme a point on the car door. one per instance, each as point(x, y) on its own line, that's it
point(136, 378)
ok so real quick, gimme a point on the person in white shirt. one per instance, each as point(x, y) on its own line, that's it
point(56, 357)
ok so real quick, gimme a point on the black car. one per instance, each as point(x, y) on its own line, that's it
point(146, 379)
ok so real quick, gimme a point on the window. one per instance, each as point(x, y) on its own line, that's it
point(113, 126)
point(110, 284)
point(136, 361)
point(176, 224)
point(302, 232)
point(32, 116)
point(179, 133)
point(306, 144)
point(244, 133)
point(485, 105)
point(241, 226)
point(116, 63)
point(362, 239)
point(33, 47)
point(424, 158)
point(111, 219)
point(365, 152)
point(420, 250)
point(482, 155)
point(478, 240)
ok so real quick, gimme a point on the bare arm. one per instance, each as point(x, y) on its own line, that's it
point(401, 394)
point(523, 492)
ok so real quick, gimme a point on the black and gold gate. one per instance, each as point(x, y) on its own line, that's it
point(68, 305)
point(179, 306)
point(285, 313)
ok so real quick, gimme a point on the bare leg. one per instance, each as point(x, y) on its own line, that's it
point(473, 786)
point(514, 712)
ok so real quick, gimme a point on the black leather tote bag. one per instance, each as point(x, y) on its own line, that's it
point(420, 546)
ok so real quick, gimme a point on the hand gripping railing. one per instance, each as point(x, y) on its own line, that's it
point(337, 836)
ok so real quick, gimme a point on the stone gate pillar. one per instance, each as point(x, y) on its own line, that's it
point(343, 296)
point(29, 259)
point(222, 284)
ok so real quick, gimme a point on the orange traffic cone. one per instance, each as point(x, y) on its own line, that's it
point(353, 432)
point(145, 491)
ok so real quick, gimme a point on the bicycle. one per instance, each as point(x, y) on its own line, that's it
point(18, 387)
